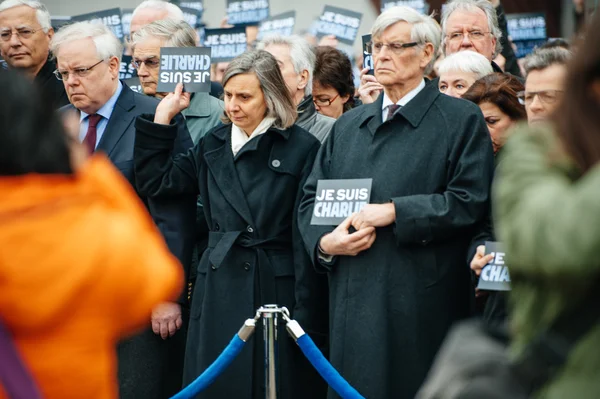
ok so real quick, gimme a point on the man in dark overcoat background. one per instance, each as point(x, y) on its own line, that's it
point(400, 280)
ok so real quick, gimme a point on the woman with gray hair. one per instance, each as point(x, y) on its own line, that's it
point(204, 110)
point(249, 173)
point(460, 70)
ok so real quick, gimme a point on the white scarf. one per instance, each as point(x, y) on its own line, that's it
point(239, 138)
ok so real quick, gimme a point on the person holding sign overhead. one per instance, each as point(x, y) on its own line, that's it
point(249, 173)
point(399, 281)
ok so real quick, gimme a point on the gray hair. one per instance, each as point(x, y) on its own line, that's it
point(424, 28)
point(107, 44)
point(171, 33)
point(41, 12)
point(544, 58)
point(278, 98)
point(468, 62)
point(173, 12)
point(302, 56)
point(471, 6)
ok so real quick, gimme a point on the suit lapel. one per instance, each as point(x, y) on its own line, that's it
point(220, 164)
point(119, 121)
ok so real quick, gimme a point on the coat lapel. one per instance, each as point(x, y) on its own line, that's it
point(220, 164)
point(119, 121)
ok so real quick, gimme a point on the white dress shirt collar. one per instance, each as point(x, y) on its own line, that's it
point(403, 101)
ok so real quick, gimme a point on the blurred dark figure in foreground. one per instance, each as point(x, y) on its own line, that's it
point(81, 263)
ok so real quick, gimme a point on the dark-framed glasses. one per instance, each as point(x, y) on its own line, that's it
point(395, 47)
point(472, 35)
point(23, 32)
point(150, 63)
point(324, 102)
point(78, 72)
point(545, 96)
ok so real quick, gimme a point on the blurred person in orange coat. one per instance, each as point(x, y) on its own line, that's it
point(81, 263)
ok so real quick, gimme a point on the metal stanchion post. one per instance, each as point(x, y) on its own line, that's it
point(269, 316)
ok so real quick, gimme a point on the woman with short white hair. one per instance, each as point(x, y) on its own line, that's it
point(460, 70)
point(249, 173)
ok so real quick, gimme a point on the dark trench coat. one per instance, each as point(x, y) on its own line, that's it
point(391, 306)
point(255, 254)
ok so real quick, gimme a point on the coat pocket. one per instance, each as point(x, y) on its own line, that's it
point(283, 264)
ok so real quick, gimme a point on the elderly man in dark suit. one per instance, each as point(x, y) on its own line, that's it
point(88, 60)
point(400, 280)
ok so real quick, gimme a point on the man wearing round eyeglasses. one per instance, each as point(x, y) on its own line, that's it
point(25, 34)
point(546, 70)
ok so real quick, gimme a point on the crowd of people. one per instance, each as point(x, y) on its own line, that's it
point(140, 230)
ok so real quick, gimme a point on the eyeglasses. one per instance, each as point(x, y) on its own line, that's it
point(150, 63)
point(324, 103)
point(396, 47)
point(78, 72)
point(545, 96)
point(23, 33)
point(473, 35)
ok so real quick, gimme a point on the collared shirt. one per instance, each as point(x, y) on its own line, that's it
point(105, 111)
point(402, 102)
point(239, 138)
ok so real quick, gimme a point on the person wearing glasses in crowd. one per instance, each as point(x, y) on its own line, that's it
point(397, 278)
point(546, 70)
point(297, 62)
point(249, 172)
point(459, 71)
point(333, 82)
point(88, 60)
point(25, 34)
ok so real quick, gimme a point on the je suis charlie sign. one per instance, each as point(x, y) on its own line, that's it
point(495, 276)
point(335, 200)
point(112, 18)
point(420, 6)
point(367, 57)
point(247, 12)
point(282, 24)
point(225, 44)
point(527, 31)
point(187, 65)
point(341, 23)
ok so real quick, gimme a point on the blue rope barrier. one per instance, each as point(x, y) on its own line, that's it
point(329, 374)
point(210, 374)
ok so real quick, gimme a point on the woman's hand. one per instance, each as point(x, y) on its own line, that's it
point(171, 105)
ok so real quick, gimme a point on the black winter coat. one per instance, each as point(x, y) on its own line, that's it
point(391, 306)
point(255, 254)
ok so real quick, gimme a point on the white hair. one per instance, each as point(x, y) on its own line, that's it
point(171, 33)
point(468, 62)
point(173, 12)
point(472, 6)
point(41, 12)
point(424, 28)
point(302, 56)
point(107, 44)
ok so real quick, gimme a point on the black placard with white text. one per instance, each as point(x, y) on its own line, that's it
point(495, 276)
point(367, 57)
point(282, 24)
point(420, 6)
point(112, 18)
point(335, 200)
point(126, 15)
point(247, 12)
point(126, 70)
point(192, 16)
point(187, 65)
point(226, 44)
point(196, 5)
point(527, 31)
point(341, 23)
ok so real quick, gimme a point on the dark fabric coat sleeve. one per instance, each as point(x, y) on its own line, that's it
point(311, 234)
point(511, 65)
point(157, 171)
point(424, 218)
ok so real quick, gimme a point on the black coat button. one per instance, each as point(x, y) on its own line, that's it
point(213, 267)
point(217, 227)
point(249, 229)
point(247, 266)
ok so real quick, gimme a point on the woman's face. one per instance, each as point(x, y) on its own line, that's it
point(328, 101)
point(497, 122)
point(456, 83)
point(245, 102)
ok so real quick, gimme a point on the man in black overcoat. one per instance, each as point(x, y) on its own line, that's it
point(400, 280)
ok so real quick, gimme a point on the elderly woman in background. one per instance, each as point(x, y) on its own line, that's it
point(249, 173)
point(460, 70)
point(333, 82)
point(497, 96)
point(81, 263)
point(204, 111)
